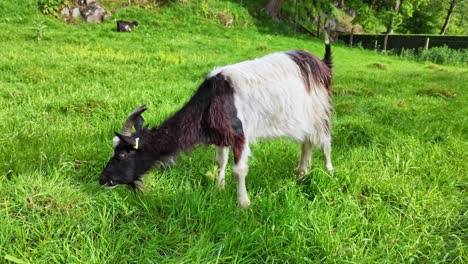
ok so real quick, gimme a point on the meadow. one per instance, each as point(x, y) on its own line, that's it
point(400, 140)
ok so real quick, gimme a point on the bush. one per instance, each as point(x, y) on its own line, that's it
point(439, 55)
point(51, 6)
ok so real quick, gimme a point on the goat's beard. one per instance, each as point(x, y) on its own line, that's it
point(136, 185)
point(165, 162)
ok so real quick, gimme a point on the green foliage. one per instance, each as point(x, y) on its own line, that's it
point(459, 22)
point(366, 18)
point(51, 6)
point(439, 55)
point(398, 194)
point(222, 12)
point(428, 18)
point(39, 29)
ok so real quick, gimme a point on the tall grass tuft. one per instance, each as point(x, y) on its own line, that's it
point(439, 55)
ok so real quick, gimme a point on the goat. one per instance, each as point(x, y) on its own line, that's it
point(124, 26)
point(284, 94)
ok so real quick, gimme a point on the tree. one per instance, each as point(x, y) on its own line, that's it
point(448, 17)
point(273, 8)
point(459, 21)
point(365, 15)
point(426, 17)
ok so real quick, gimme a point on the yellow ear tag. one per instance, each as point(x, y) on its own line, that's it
point(136, 143)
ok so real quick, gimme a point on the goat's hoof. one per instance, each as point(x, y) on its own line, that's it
point(300, 176)
point(244, 203)
point(220, 182)
point(221, 186)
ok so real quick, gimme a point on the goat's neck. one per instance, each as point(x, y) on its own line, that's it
point(180, 132)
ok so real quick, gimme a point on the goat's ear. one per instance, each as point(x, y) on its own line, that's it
point(126, 139)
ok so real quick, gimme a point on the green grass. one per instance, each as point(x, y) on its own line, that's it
point(400, 150)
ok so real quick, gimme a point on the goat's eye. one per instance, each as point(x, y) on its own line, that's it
point(122, 156)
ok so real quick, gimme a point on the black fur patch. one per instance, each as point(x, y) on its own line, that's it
point(312, 67)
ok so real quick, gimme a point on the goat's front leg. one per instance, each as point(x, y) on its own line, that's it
point(241, 168)
point(222, 155)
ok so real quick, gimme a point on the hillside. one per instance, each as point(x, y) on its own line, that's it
point(399, 148)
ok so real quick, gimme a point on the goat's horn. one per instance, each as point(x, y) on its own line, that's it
point(127, 127)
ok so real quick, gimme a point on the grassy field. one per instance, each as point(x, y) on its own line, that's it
point(400, 133)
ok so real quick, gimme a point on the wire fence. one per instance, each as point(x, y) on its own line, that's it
point(399, 42)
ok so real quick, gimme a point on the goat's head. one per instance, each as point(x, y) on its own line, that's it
point(128, 162)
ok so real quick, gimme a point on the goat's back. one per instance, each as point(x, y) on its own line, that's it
point(273, 100)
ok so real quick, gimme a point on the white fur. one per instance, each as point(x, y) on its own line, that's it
point(240, 171)
point(222, 156)
point(272, 101)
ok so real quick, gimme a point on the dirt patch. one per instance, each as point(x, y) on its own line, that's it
point(436, 92)
point(344, 90)
point(378, 66)
point(435, 68)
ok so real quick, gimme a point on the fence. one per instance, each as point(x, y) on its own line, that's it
point(398, 42)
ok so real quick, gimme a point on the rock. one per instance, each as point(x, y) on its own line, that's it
point(330, 25)
point(106, 17)
point(93, 13)
point(65, 11)
point(90, 10)
point(76, 12)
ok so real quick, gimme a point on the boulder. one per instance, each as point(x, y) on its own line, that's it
point(93, 13)
point(76, 12)
point(65, 11)
point(90, 10)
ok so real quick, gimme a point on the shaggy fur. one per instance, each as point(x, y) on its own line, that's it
point(285, 94)
point(124, 26)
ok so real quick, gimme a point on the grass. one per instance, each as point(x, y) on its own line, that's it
point(399, 129)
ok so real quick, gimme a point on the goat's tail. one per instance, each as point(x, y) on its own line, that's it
point(327, 58)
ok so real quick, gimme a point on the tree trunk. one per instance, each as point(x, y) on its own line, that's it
point(351, 37)
point(449, 16)
point(385, 43)
point(319, 19)
point(392, 20)
point(341, 4)
point(273, 8)
point(296, 11)
point(392, 24)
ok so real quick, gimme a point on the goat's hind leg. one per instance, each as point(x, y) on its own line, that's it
point(304, 163)
point(222, 155)
point(327, 153)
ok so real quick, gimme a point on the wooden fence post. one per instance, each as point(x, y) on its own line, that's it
point(426, 46)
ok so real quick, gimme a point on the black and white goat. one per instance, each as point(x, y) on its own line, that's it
point(285, 94)
point(124, 26)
